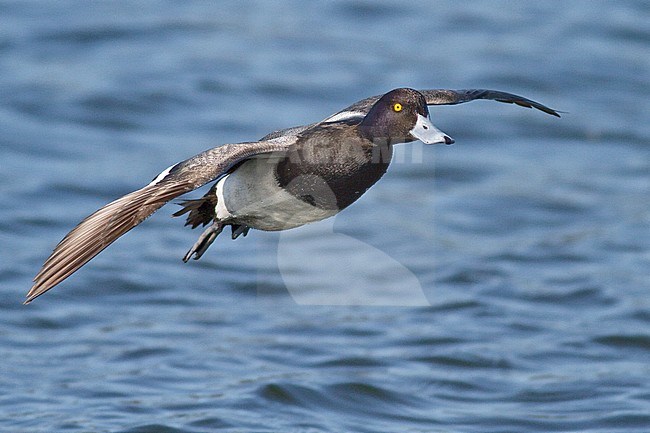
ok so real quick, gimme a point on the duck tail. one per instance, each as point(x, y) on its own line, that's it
point(201, 210)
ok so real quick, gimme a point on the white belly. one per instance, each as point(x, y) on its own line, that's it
point(251, 196)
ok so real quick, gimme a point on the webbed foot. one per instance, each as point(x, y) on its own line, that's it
point(204, 241)
point(238, 230)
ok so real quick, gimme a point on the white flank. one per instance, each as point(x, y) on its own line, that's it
point(221, 209)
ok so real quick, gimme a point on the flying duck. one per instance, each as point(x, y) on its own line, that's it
point(289, 178)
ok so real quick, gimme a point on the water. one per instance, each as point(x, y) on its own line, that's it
point(523, 250)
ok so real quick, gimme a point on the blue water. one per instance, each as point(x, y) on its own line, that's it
point(498, 285)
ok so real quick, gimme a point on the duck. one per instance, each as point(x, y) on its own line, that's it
point(288, 178)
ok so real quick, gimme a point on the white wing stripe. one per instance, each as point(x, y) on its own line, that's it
point(162, 175)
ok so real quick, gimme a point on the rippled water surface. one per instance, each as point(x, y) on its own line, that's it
point(498, 285)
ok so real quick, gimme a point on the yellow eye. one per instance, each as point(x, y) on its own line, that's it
point(397, 107)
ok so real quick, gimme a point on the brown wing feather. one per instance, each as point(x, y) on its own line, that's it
point(452, 97)
point(102, 228)
point(99, 230)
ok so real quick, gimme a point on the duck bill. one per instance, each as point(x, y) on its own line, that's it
point(429, 134)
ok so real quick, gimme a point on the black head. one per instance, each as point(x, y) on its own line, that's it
point(400, 116)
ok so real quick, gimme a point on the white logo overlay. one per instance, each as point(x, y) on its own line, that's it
point(322, 267)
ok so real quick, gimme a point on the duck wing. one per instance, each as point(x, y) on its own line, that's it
point(102, 228)
point(359, 109)
point(453, 97)
point(443, 97)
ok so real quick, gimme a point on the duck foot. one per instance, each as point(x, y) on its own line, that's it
point(238, 230)
point(204, 241)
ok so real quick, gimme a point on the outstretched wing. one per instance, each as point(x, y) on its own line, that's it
point(452, 97)
point(359, 109)
point(445, 97)
point(103, 227)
